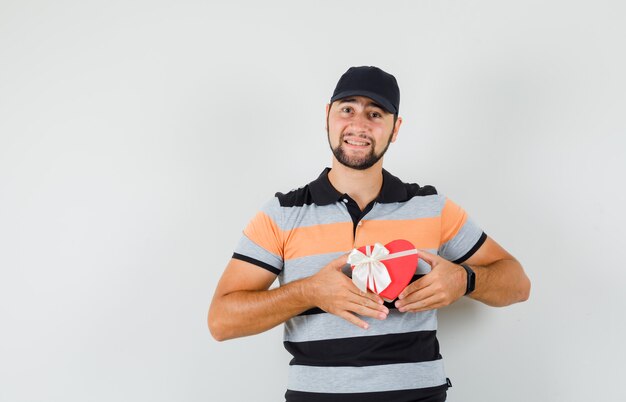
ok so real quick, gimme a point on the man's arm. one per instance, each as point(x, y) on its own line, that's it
point(500, 281)
point(242, 304)
point(502, 278)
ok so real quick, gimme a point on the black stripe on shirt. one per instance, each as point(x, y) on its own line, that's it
point(431, 394)
point(473, 250)
point(256, 262)
point(415, 190)
point(408, 347)
point(295, 198)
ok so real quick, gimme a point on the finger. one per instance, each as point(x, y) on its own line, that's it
point(370, 304)
point(367, 302)
point(373, 297)
point(428, 257)
point(421, 295)
point(366, 311)
point(357, 296)
point(429, 303)
point(367, 294)
point(413, 287)
point(351, 318)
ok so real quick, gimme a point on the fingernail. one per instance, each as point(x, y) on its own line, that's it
point(382, 316)
point(365, 326)
point(401, 309)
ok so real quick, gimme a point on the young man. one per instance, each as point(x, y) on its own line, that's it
point(349, 345)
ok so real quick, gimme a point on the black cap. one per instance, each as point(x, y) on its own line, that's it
point(371, 82)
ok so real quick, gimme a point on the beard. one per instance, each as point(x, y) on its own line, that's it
point(358, 163)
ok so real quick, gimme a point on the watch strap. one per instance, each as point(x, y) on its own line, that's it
point(471, 279)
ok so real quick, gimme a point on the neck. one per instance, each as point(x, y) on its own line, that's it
point(362, 186)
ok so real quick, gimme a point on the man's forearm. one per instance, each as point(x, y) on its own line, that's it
point(249, 312)
point(501, 283)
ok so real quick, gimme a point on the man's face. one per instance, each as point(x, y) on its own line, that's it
point(359, 131)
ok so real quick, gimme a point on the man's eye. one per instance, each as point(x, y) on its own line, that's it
point(346, 110)
point(376, 114)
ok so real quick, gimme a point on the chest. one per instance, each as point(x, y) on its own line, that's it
point(318, 235)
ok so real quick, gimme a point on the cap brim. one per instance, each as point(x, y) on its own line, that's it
point(375, 97)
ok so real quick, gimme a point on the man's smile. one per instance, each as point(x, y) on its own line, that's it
point(355, 142)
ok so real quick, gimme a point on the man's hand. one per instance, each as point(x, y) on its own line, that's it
point(334, 292)
point(443, 285)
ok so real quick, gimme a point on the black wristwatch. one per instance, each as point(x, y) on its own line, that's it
point(471, 279)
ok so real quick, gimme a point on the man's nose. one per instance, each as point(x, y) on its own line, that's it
point(359, 122)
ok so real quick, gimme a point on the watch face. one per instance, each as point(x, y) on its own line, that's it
point(471, 279)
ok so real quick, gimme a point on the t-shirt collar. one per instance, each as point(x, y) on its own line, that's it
point(324, 193)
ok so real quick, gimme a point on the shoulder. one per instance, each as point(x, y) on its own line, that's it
point(424, 198)
point(295, 198)
point(396, 190)
point(415, 190)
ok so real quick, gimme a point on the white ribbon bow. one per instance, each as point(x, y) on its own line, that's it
point(368, 270)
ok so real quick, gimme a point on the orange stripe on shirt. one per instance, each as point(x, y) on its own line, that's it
point(453, 217)
point(427, 233)
point(318, 239)
point(422, 232)
point(263, 231)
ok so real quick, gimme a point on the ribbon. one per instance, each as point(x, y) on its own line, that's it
point(369, 271)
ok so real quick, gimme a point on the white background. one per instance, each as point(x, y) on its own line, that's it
point(137, 138)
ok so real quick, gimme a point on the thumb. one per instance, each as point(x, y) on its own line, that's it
point(431, 259)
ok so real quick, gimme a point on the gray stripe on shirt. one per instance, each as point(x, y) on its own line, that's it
point(247, 247)
point(388, 377)
point(459, 245)
point(303, 267)
point(417, 207)
point(315, 327)
point(313, 215)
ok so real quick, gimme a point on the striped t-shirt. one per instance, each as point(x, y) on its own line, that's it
point(298, 233)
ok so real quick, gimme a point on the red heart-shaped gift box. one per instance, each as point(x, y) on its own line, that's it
point(401, 269)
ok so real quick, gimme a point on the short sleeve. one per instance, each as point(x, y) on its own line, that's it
point(461, 237)
point(262, 243)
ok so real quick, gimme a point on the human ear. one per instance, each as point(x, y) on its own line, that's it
point(326, 119)
point(396, 129)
